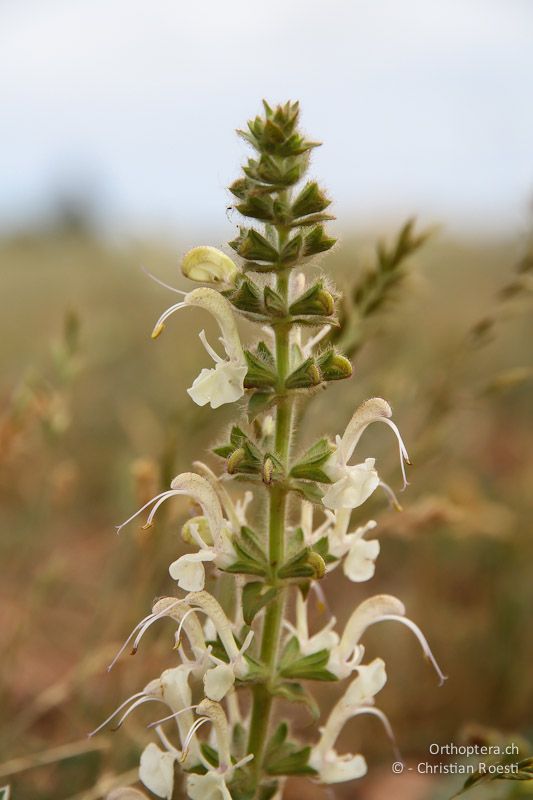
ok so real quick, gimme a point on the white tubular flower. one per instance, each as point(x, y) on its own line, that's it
point(213, 785)
point(326, 639)
point(359, 554)
point(358, 699)
point(156, 770)
point(208, 265)
point(225, 382)
point(180, 613)
point(352, 485)
point(234, 511)
point(188, 570)
point(383, 607)
point(220, 679)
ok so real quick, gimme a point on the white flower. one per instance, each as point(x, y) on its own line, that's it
point(188, 570)
point(211, 786)
point(225, 382)
point(156, 771)
point(325, 639)
point(347, 655)
point(358, 699)
point(359, 563)
point(353, 484)
point(218, 681)
point(208, 265)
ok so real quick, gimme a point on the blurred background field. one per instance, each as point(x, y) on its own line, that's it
point(118, 146)
point(95, 420)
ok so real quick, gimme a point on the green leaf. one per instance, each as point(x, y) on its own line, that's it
point(251, 245)
point(291, 251)
point(306, 563)
point(312, 667)
point(274, 303)
point(322, 548)
point(260, 402)
point(256, 596)
point(317, 241)
point(283, 757)
point(246, 296)
point(316, 300)
point(292, 763)
point(260, 374)
point(333, 366)
point(309, 465)
point(310, 200)
point(296, 693)
point(304, 376)
point(308, 490)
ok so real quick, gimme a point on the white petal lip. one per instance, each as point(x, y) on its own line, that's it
point(354, 486)
point(359, 564)
point(156, 771)
point(218, 681)
point(338, 769)
point(219, 385)
point(189, 571)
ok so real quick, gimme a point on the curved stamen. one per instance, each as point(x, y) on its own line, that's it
point(149, 622)
point(162, 283)
point(166, 494)
point(115, 712)
point(210, 351)
point(167, 744)
point(126, 643)
point(376, 712)
point(160, 324)
point(171, 716)
point(180, 626)
point(393, 500)
point(198, 724)
point(404, 456)
point(421, 638)
point(160, 501)
point(136, 704)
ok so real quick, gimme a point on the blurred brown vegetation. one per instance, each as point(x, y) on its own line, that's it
point(94, 419)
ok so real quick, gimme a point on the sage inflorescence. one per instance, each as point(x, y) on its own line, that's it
point(234, 666)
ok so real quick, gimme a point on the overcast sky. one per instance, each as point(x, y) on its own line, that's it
point(424, 106)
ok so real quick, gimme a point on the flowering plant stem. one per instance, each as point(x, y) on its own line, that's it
point(262, 697)
point(259, 648)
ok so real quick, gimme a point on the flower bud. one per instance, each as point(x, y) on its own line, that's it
point(208, 265)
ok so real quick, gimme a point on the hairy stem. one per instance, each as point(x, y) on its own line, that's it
point(262, 697)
